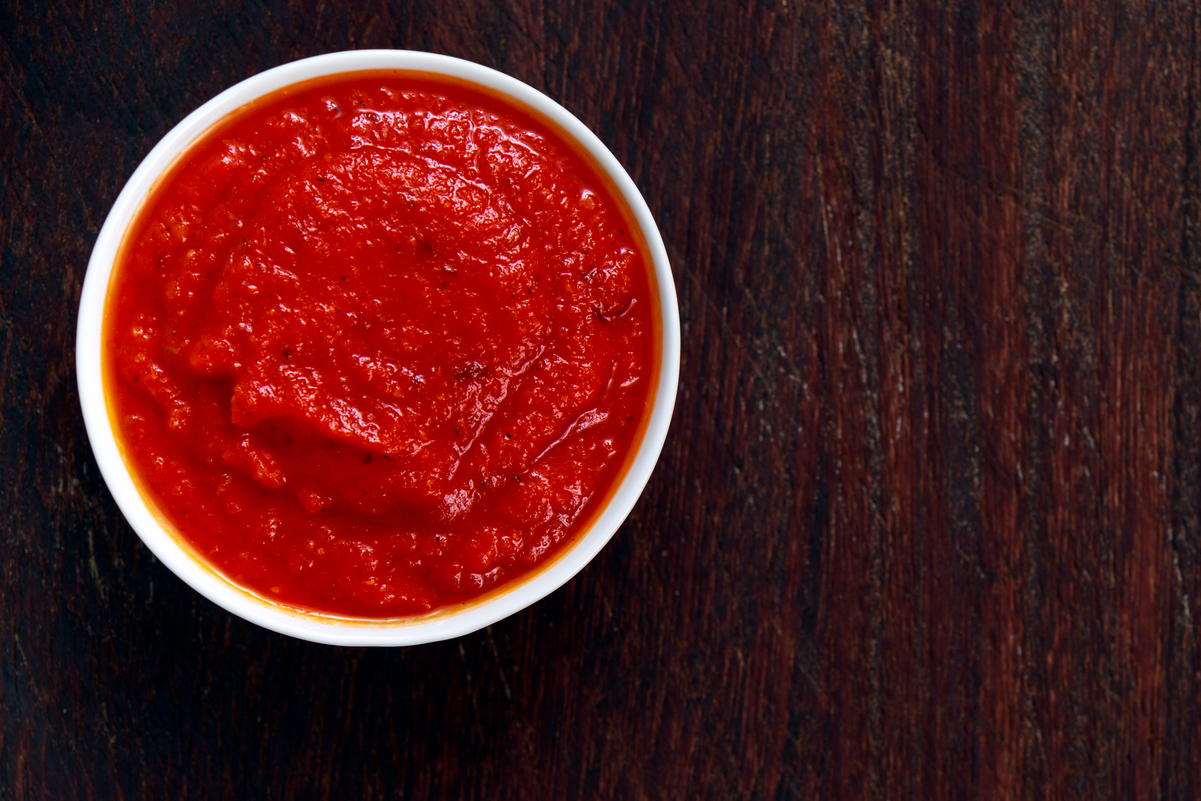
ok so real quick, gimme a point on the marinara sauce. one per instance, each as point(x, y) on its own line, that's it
point(378, 345)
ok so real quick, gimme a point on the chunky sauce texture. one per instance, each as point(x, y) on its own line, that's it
point(377, 346)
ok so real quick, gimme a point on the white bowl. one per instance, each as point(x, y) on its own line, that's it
point(207, 580)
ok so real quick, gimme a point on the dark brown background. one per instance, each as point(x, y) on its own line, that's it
point(928, 522)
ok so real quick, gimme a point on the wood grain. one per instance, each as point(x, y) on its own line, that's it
point(927, 524)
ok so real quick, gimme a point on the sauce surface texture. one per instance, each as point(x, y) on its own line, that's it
point(379, 346)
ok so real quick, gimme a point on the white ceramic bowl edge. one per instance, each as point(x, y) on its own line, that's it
point(204, 579)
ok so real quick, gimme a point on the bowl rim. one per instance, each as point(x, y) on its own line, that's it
point(193, 570)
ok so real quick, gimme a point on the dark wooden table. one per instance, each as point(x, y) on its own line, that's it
point(928, 522)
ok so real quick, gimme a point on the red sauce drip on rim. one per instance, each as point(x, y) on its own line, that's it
point(379, 345)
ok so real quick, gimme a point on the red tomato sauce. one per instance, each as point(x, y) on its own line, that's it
point(379, 345)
